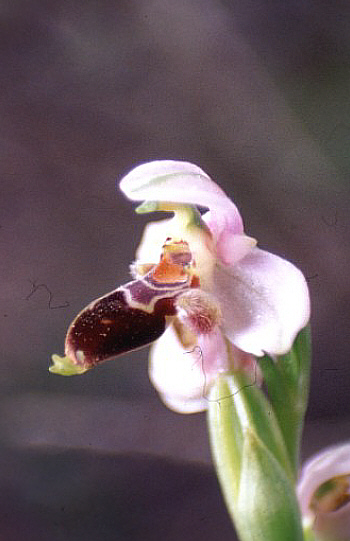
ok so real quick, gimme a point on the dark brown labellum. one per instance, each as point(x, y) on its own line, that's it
point(130, 317)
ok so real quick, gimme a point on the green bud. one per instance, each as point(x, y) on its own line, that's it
point(252, 462)
point(266, 507)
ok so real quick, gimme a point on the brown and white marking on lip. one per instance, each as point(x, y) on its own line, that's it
point(134, 314)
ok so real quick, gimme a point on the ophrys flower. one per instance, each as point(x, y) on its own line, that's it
point(209, 298)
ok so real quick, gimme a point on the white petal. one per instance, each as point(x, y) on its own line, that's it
point(182, 377)
point(331, 462)
point(175, 182)
point(264, 301)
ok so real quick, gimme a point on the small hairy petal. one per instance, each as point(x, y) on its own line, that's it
point(264, 301)
point(176, 182)
point(198, 310)
point(183, 376)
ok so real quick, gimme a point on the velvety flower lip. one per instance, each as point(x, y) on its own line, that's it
point(324, 491)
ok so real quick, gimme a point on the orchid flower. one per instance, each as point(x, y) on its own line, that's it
point(324, 493)
point(203, 292)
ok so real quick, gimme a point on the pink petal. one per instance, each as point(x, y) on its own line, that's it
point(227, 230)
point(264, 301)
point(223, 222)
point(176, 182)
point(232, 248)
point(183, 377)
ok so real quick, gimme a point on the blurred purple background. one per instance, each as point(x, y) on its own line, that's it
point(257, 94)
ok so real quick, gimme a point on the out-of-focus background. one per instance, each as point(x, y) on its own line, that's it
point(257, 94)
